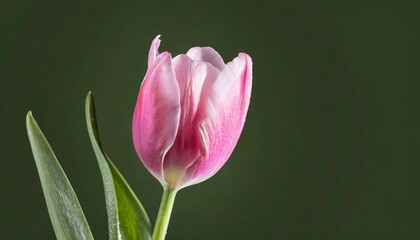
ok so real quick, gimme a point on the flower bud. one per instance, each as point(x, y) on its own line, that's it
point(190, 113)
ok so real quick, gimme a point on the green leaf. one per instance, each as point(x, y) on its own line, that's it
point(127, 218)
point(65, 212)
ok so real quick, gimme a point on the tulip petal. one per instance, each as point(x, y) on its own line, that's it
point(206, 54)
point(156, 116)
point(193, 78)
point(226, 109)
point(154, 51)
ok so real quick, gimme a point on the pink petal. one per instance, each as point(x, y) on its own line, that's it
point(226, 111)
point(206, 54)
point(154, 51)
point(156, 116)
point(194, 78)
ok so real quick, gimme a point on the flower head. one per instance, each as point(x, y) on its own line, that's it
point(190, 113)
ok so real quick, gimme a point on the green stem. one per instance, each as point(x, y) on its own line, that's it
point(164, 214)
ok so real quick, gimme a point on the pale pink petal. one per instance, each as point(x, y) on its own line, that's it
point(156, 116)
point(154, 51)
point(226, 111)
point(206, 54)
point(195, 79)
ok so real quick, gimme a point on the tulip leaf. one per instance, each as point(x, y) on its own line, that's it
point(64, 209)
point(127, 218)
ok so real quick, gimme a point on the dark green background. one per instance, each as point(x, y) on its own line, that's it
point(330, 149)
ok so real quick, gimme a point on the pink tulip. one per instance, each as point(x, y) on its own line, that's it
point(190, 113)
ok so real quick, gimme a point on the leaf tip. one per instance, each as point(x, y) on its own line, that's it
point(29, 118)
point(89, 97)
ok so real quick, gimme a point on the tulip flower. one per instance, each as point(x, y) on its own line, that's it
point(190, 112)
point(189, 115)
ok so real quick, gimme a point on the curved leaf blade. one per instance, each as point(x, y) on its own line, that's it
point(64, 209)
point(127, 218)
